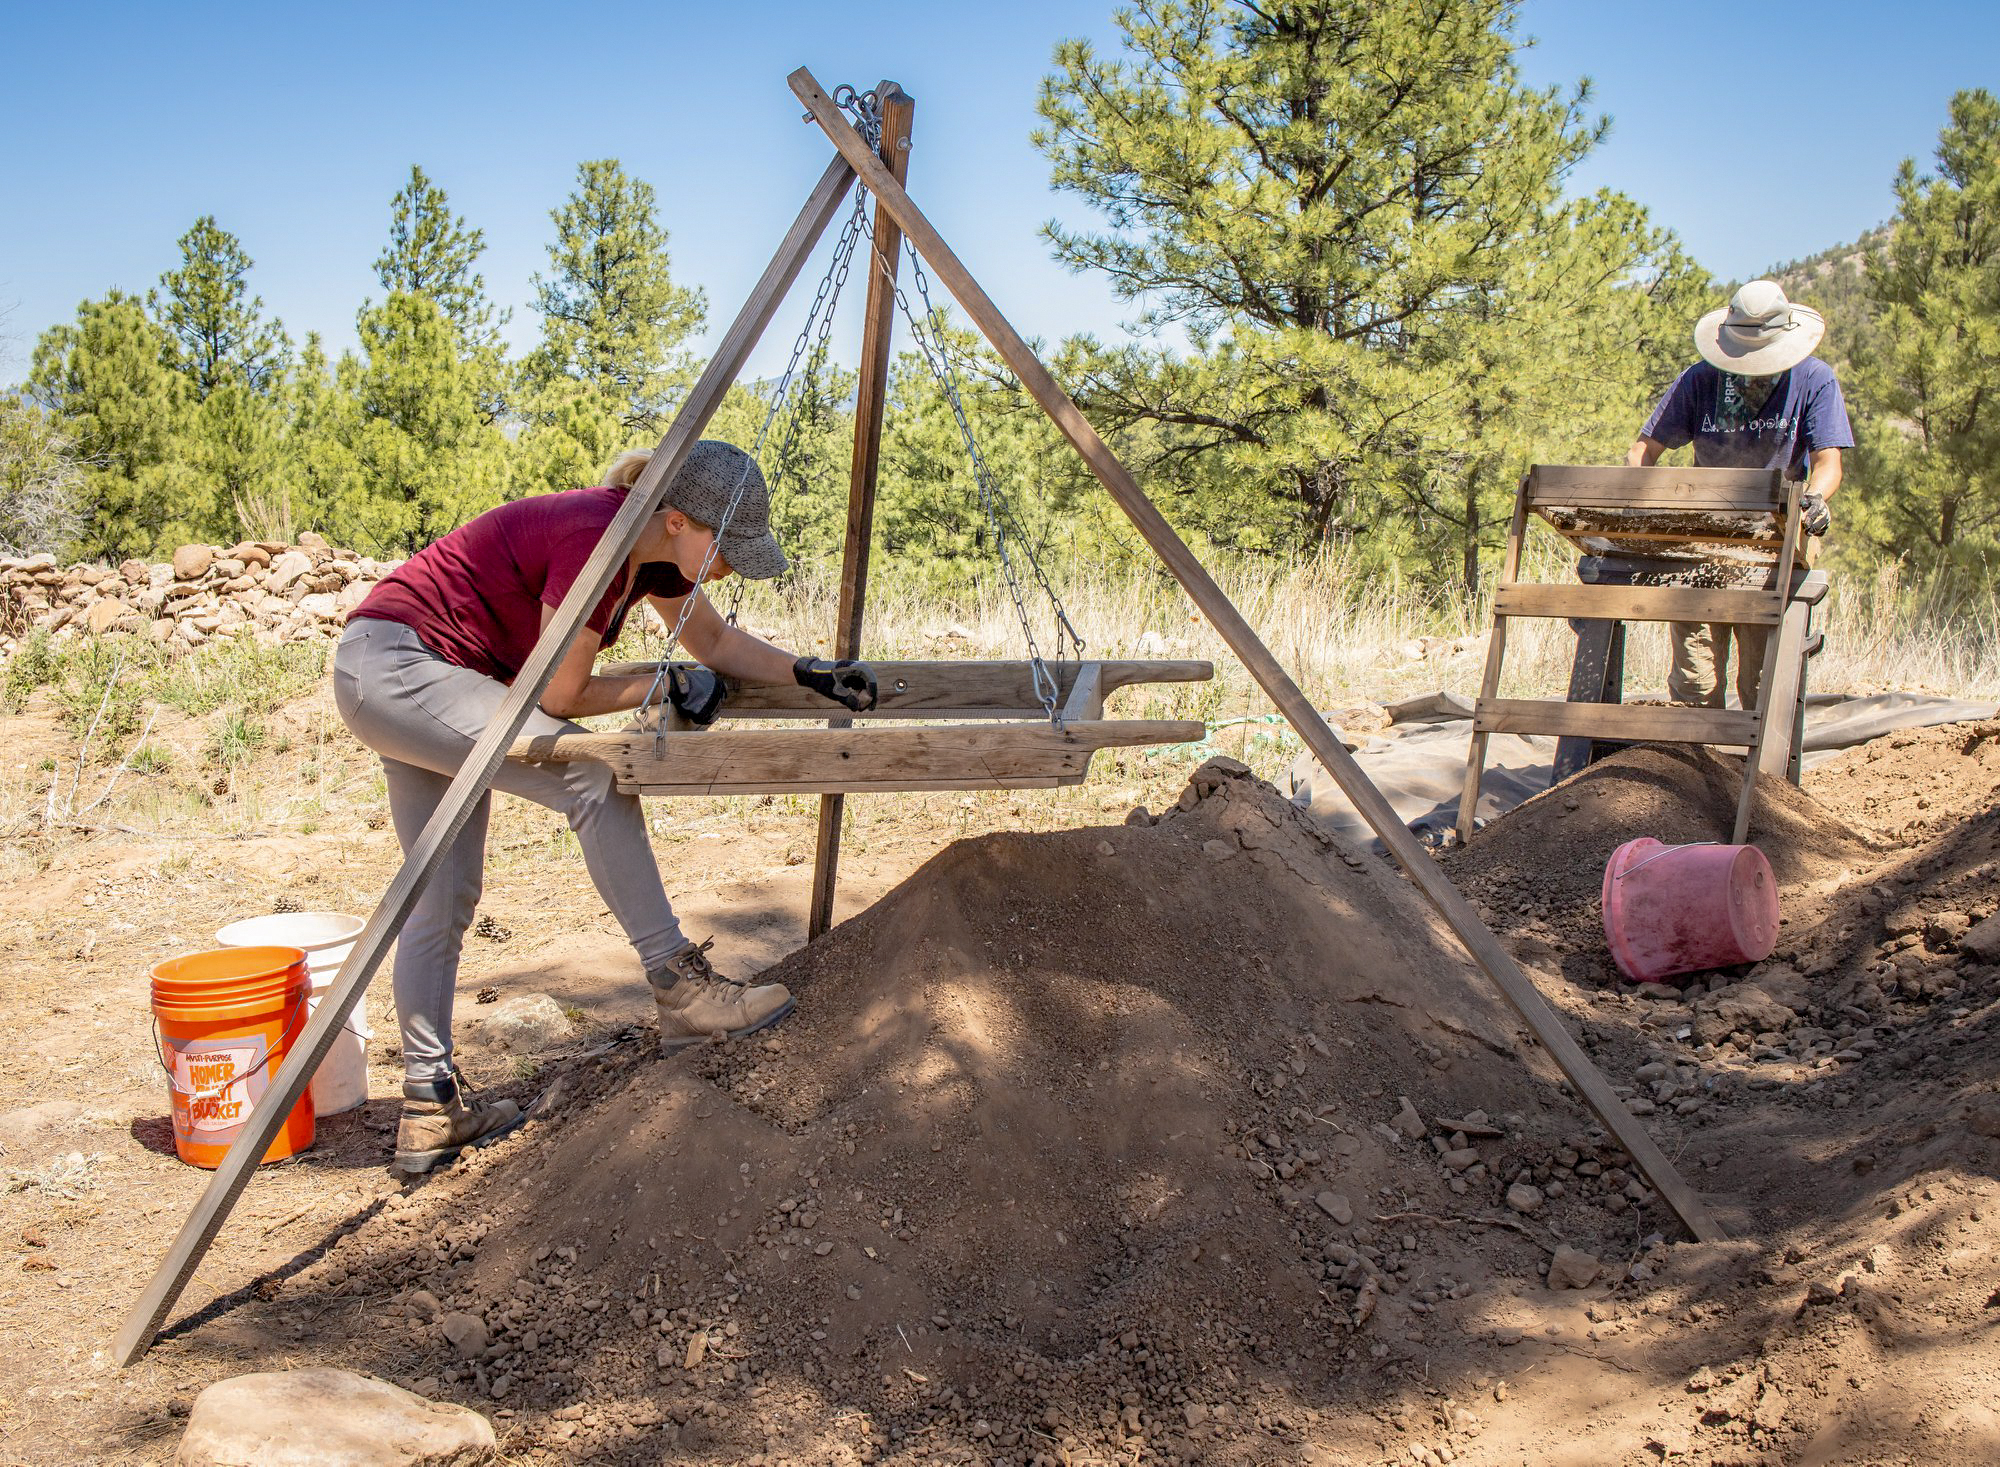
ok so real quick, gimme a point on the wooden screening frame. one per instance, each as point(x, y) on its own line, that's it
point(1738, 519)
point(856, 158)
point(1014, 744)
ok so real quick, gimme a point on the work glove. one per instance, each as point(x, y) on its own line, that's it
point(850, 684)
point(696, 693)
point(1814, 515)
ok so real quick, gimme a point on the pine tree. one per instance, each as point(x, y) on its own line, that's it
point(1557, 361)
point(109, 379)
point(41, 481)
point(1314, 192)
point(428, 458)
point(1927, 378)
point(320, 484)
point(218, 327)
point(432, 253)
point(613, 320)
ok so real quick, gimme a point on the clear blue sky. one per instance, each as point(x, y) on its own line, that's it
point(1759, 132)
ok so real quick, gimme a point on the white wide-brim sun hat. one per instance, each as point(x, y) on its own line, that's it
point(1759, 333)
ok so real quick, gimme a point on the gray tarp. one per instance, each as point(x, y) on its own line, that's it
point(1418, 762)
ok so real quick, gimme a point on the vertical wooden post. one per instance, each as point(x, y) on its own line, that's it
point(871, 397)
point(1496, 653)
point(475, 775)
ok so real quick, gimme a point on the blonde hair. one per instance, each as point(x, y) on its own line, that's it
point(624, 473)
point(626, 468)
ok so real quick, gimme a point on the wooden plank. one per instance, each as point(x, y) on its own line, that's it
point(1079, 771)
point(1638, 723)
point(144, 1318)
point(1656, 487)
point(871, 398)
point(1766, 712)
point(1086, 695)
point(854, 759)
point(966, 689)
point(1641, 603)
point(1665, 537)
point(1242, 639)
point(1489, 681)
point(1784, 674)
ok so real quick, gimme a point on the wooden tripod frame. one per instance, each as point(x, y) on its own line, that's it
point(856, 158)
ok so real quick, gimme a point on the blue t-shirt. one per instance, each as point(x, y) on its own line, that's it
point(1803, 414)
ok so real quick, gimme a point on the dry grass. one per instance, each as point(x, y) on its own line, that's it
point(1348, 640)
point(274, 757)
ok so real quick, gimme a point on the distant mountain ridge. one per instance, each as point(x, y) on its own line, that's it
point(1834, 283)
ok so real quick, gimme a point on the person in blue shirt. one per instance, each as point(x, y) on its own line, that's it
point(1758, 399)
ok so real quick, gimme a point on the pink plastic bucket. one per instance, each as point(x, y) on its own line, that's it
point(1685, 909)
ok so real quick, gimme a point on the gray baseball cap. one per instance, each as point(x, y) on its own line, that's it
point(703, 490)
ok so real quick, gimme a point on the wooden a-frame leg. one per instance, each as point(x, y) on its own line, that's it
point(475, 775)
point(1475, 756)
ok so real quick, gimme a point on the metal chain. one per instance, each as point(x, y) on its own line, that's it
point(819, 314)
point(928, 334)
point(864, 108)
point(865, 111)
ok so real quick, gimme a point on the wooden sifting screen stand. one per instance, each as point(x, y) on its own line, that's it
point(857, 158)
point(1716, 546)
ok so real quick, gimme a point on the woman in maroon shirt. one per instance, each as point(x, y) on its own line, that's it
point(423, 667)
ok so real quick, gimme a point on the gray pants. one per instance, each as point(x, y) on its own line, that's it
point(422, 715)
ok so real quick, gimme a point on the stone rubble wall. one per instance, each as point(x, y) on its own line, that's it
point(272, 592)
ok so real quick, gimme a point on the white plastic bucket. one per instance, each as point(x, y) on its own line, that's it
point(341, 1081)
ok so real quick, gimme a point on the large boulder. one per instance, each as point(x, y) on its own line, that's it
point(192, 562)
point(325, 1418)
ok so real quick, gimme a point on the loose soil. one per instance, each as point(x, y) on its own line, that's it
point(1193, 1138)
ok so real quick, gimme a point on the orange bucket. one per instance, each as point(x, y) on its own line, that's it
point(225, 1021)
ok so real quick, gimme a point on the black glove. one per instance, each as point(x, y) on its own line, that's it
point(696, 693)
point(1814, 515)
point(850, 684)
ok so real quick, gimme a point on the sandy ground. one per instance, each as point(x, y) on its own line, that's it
point(1094, 1141)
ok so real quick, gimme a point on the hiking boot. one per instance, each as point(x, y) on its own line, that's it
point(437, 1124)
point(696, 1002)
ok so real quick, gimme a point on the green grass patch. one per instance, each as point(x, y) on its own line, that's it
point(239, 673)
point(150, 758)
point(236, 740)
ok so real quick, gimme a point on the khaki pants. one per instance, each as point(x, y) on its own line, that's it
point(1701, 662)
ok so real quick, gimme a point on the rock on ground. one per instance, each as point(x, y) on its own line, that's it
point(324, 1418)
point(527, 1021)
point(1572, 1268)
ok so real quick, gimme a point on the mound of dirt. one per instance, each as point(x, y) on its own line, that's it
point(1537, 873)
point(1910, 786)
point(1166, 1137)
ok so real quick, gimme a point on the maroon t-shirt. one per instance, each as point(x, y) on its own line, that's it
point(476, 596)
